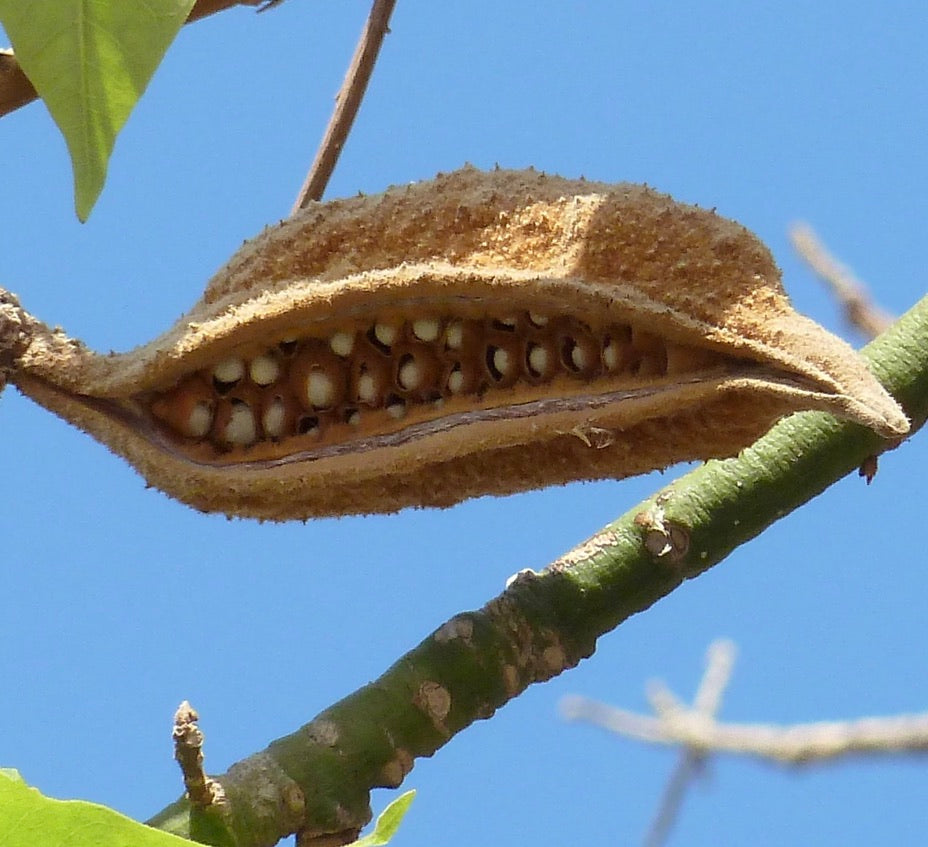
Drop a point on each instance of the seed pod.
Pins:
(668, 335)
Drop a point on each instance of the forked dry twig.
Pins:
(700, 735)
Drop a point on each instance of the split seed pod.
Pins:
(483, 333)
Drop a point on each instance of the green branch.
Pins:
(318, 779)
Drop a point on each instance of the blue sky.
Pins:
(117, 602)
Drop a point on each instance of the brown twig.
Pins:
(347, 103)
(188, 751)
(16, 90)
(859, 310)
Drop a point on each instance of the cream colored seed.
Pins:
(611, 356)
(538, 320)
(508, 322)
(396, 410)
(501, 361)
(455, 335)
(578, 357)
(537, 359)
(320, 390)
(456, 381)
(342, 343)
(200, 419)
(263, 370)
(385, 334)
(426, 329)
(410, 375)
(241, 427)
(354, 418)
(275, 416)
(229, 371)
(367, 388)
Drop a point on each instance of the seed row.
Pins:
(374, 376)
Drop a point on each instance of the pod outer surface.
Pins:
(467, 245)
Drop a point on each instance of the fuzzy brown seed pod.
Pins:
(460, 337)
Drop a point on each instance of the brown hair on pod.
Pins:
(482, 333)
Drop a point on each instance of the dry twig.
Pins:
(797, 744)
(859, 310)
(347, 103)
(700, 735)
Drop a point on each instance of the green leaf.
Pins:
(90, 61)
(27, 819)
(388, 822)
